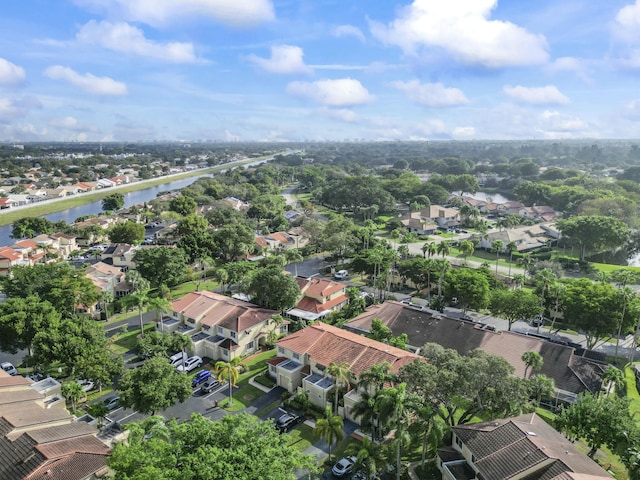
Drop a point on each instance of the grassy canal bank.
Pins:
(10, 215)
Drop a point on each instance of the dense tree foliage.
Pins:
(161, 265)
(595, 234)
(34, 226)
(183, 205)
(127, 232)
(155, 385)
(22, 318)
(469, 286)
(273, 288)
(514, 305)
(60, 284)
(113, 202)
(237, 447)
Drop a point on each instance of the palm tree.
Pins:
(182, 343)
(497, 245)
(465, 212)
(545, 278)
(431, 267)
(374, 379)
(518, 280)
(221, 275)
(557, 290)
(342, 376)
(622, 278)
(366, 410)
(395, 405)
(612, 377)
(511, 247)
(526, 262)
(294, 256)
(160, 305)
(372, 456)
(532, 360)
(138, 300)
(106, 297)
(443, 266)
(540, 386)
(73, 392)
(467, 248)
(444, 249)
(428, 428)
(330, 428)
(429, 249)
(228, 371)
(152, 427)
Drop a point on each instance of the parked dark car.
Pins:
(210, 385)
(200, 377)
(286, 421)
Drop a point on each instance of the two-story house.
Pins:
(427, 220)
(10, 258)
(105, 277)
(303, 357)
(65, 243)
(222, 327)
(523, 447)
(119, 255)
(320, 296)
(30, 251)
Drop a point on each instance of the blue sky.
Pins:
(288, 70)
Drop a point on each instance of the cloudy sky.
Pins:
(273, 70)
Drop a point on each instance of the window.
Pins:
(233, 334)
(473, 459)
(458, 442)
(296, 356)
(283, 329)
(281, 350)
(220, 330)
(250, 345)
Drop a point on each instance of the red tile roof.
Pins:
(309, 304)
(319, 287)
(325, 344)
(10, 253)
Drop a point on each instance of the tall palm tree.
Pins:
(444, 249)
(228, 372)
(623, 277)
(182, 343)
(443, 266)
(372, 456)
(429, 249)
(374, 379)
(557, 290)
(431, 267)
(160, 305)
(342, 376)
(526, 262)
(396, 406)
(511, 247)
(426, 426)
(294, 256)
(330, 428)
(366, 411)
(497, 245)
(221, 275)
(467, 248)
(518, 280)
(532, 360)
(545, 278)
(152, 427)
(139, 301)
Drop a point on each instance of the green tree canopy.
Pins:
(514, 305)
(22, 318)
(161, 265)
(127, 232)
(273, 288)
(237, 447)
(183, 205)
(113, 202)
(469, 286)
(595, 234)
(60, 284)
(156, 385)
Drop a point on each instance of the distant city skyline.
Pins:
(319, 70)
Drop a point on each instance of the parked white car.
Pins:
(341, 274)
(190, 364)
(9, 368)
(87, 385)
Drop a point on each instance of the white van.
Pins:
(341, 274)
(178, 358)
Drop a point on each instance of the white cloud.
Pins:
(627, 22)
(87, 82)
(284, 59)
(348, 31)
(554, 124)
(334, 93)
(547, 95)
(463, 133)
(236, 13)
(122, 37)
(13, 108)
(434, 127)
(10, 73)
(342, 114)
(575, 65)
(463, 29)
(431, 94)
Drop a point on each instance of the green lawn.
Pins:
(256, 364)
(632, 391)
(608, 268)
(302, 437)
(181, 290)
(243, 396)
(125, 342)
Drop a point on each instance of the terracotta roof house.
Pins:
(119, 255)
(523, 447)
(106, 278)
(10, 258)
(526, 237)
(572, 374)
(39, 441)
(304, 356)
(320, 296)
(222, 327)
(237, 203)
